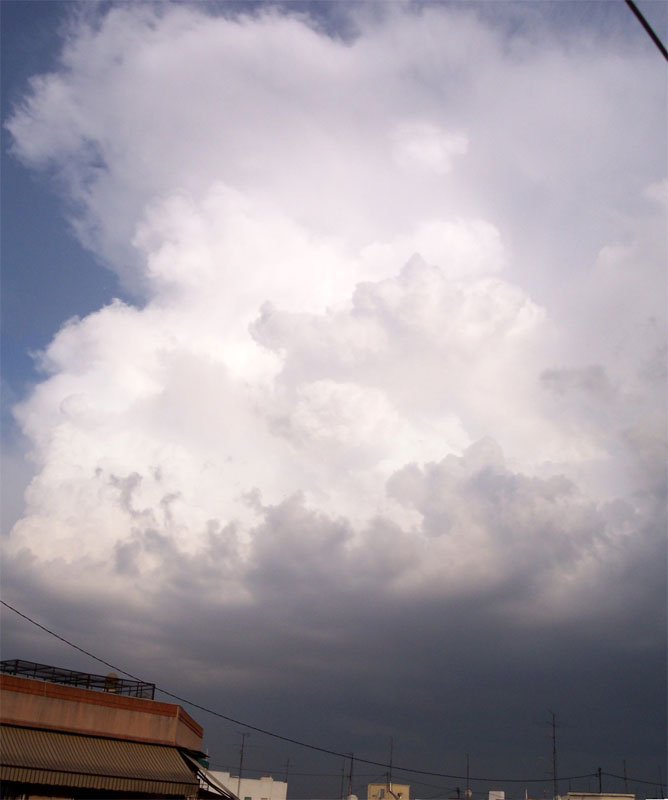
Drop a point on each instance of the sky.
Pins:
(334, 377)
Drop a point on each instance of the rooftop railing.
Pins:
(110, 683)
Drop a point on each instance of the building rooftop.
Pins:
(110, 683)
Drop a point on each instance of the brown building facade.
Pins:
(68, 742)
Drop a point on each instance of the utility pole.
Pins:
(600, 782)
(555, 787)
(343, 772)
(287, 770)
(468, 790)
(241, 760)
(350, 774)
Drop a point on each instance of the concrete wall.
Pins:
(40, 704)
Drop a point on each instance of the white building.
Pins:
(265, 788)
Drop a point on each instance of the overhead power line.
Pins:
(281, 737)
(629, 778)
(648, 28)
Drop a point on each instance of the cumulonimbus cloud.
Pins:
(296, 376)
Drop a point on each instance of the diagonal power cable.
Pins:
(648, 28)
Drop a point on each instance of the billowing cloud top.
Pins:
(399, 320)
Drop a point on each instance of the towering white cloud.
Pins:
(263, 185)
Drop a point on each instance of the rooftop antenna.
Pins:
(555, 787)
(626, 783)
(241, 760)
(389, 775)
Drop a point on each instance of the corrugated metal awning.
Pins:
(51, 758)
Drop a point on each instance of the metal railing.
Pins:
(110, 683)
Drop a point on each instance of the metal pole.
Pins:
(391, 754)
(241, 761)
(555, 787)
